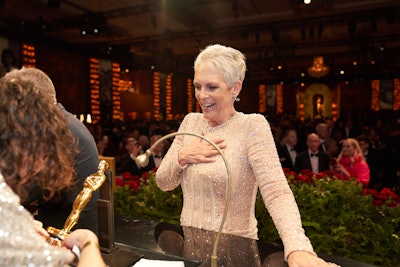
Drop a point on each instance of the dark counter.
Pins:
(136, 238)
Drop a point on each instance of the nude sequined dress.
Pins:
(254, 164)
(20, 244)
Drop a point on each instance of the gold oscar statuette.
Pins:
(91, 184)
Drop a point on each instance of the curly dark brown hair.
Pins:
(32, 131)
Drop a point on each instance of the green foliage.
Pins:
(337, 216)
(149, 202)
(340, 220)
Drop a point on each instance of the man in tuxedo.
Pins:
(287, 153)
(158, 152)
(312, 159)
(126, 162)
(323, 132)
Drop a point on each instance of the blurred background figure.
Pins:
(332, 150)
(313, 158)
(373, 160)
(323, 132)
(102, 144)
(351, 162)
(144, 141)
(126, 162)
(287, 152)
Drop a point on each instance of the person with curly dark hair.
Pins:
(55, 211)
(36, 146)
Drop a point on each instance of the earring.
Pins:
(237, 99)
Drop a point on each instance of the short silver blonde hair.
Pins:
(229, 62)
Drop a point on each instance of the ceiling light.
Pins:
(318, 68)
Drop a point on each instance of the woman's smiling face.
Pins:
(214, 96)
(348, 149)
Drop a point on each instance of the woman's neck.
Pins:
(222, 120)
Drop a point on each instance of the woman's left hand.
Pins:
(306, 259)
(339, 168)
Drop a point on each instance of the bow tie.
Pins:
(157, 156)
(314, 155)
(292, 149)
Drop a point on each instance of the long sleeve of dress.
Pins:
(274, 188)
(20, 243)
(254, 165)
(168, 175)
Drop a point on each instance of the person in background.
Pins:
(102, 144)
(8, 60)
(323, 131)
(38, 148)
(313, 158)
(248, 146)
(351, 162)
(288, 153)
(126, 162)
(158, 152)
(55, 212)
(144, 141)
(349, 130)
(332, 150)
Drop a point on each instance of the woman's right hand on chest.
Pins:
(200, 151)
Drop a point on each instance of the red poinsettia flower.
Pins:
(389, 193)
(145, 176)
(119, 182)
(134, 185)
(129, 176)
(385, 196)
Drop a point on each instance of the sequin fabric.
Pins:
(233, 251)
(20, 244)
(254, 164)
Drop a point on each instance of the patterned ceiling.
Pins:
(169, 33)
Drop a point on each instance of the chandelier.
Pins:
(318, 68)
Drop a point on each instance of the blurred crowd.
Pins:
(377, 136)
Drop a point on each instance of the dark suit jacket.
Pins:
(303, 162)
(126, 164)
(284, 153)
(376, 168)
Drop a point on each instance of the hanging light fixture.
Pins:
(318, 68)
